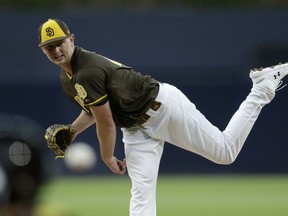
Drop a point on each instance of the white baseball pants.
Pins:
(178, 122)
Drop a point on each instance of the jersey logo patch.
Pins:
(81, 103)
(80, 91)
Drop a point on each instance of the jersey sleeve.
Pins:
(91, 86)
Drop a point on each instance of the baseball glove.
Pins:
(59, 137)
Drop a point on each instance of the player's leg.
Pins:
(143, 155)
(179, 122)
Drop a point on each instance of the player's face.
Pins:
(60, 52)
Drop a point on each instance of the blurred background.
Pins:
(205, 48)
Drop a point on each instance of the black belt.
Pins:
(145, 117)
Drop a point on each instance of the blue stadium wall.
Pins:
(205, 53)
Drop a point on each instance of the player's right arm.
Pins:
(106, 133)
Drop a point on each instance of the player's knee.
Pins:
(143, 188)
(228, 161)
(225, 159)
(226, 155)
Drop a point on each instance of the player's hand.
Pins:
(117, 166)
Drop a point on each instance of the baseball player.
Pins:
(148, 112)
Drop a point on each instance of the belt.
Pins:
(145, 117)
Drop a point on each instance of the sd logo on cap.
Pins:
(51, 31)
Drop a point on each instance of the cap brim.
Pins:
(53, 40)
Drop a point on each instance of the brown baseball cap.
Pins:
(51, 31)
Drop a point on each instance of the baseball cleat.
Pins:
(270, 77)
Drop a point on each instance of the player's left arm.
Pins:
(83, 121)
(106, 132)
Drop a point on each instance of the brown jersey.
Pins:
(97, 79)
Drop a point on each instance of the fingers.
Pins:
(121, 165)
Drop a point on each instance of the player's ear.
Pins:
(72, 38)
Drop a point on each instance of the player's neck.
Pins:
(67, 68)
(69, 71)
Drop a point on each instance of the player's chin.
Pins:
(59, 61)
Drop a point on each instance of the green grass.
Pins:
(217, 195)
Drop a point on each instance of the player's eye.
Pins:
(53, 46)
(49, 47)
(59, 43)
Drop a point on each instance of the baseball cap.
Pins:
(51, 31)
